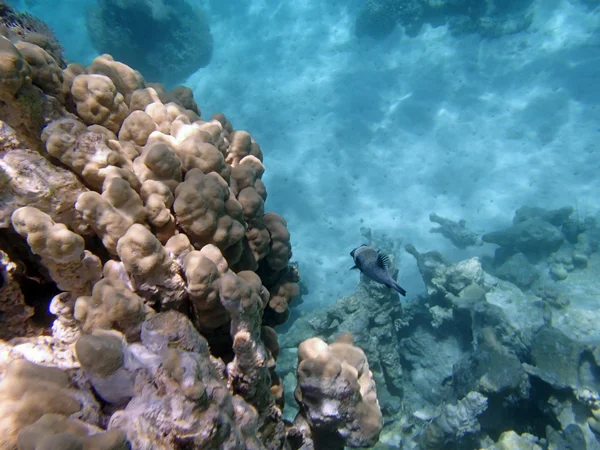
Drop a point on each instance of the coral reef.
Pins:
(456, 232)
(140, 272)
(455, 421)
(134, 31)
(378, 18)
(23, 26)
(487, 357)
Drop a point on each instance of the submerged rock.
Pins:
(535, 238)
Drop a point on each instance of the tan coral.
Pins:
(195, 153)
(65, 329)
(29, 179)
(63, 252)
(28, 391)
(244, 298)
(178, 247)
(219, 136)
(158, 162)
(158, 200)
(154, 274)
(98, 101)
(125, 79)
(282, 293)
(15, 312)
(202, 276)
(184, 96)
(54, 431)
(182, 402)
(111, 214)
(247, 175)
(141, 98)
(15, 72)
(87, 151)
(224, 121)
(163, 114)
(259, 241)
(46, 73)
(182, 128)
(137, 127)
(337, 393)
(281, 249)
(242, 144)
(202, 206)
(112, 305)
(69, 74)
(253, 205)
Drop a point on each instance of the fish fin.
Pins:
(398, 288)
(383, 260)
(354, 267)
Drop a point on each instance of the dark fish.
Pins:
(374, 265)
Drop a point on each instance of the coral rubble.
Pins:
(497, 353)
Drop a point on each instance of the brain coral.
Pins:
(142, 33)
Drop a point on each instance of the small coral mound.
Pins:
(337, 394)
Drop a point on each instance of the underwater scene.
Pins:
(299, 225)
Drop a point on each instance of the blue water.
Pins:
(380, 133)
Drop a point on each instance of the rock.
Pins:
(557, 217)
(518, 270)
(535, 238)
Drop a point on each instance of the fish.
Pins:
(375, 266)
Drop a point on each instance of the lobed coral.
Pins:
(149, 224)
(23, 26)
(336, 394)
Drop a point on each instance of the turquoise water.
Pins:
(368, 128)
(360, 132)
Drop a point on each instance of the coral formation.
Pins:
(146, 225)
(457, 232)
(487, 357)
(62, 251)
(133, 32)
(336, 394)
(378, 18)
(454, 422)
(23, 26)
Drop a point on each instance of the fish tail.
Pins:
(398, 288)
